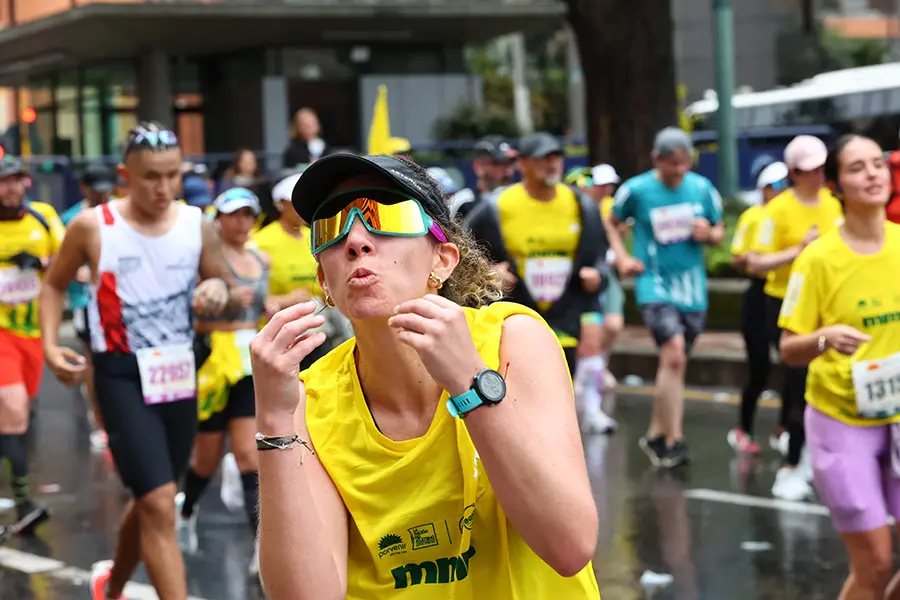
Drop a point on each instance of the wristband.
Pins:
(288, 442)
(822, 343)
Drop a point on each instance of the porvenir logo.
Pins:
(390, 545)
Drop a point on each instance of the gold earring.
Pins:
(435, 281)
(328, 301)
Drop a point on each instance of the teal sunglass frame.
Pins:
(429, 224)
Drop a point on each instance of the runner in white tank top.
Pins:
(145, 253)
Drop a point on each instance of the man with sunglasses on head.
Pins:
(493, 165)
(676, 213)
(790, 222)
(771, 179)
(30, 237)
(146, 252)
(547, 240)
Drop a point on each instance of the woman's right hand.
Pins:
(276, 353)
(843, 338)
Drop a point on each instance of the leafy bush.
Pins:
(469, 122)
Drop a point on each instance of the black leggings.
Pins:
(755, 329)
(793, 396)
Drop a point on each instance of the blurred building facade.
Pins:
(230, 73)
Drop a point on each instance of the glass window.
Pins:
(118, 82)
(41, 93)
(68, 127)
(118, 125)
(42, 132)
(92, 121)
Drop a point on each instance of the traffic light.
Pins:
(29, 115)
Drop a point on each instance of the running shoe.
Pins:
(30, 516)
(598, 422)
(675, 456)
(99, 440)
(654, 448)
(779, 441)
(791, 484)
(100, 574)
(186, 527)
(741, 442)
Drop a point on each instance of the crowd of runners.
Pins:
(177, 307)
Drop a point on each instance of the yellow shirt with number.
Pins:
(539, 234)
(293, 264)
(425, 523)
(19, 289)
(785, 222)
(833, 285)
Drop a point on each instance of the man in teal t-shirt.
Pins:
(97, 183)
(674, 213)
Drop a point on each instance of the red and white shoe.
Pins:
(741, 442)
(100, 574)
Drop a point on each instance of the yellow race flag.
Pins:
(380, 129)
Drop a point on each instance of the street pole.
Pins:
(724, 50)
(521, 93)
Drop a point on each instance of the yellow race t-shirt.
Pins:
(606, 207)
(542, 238)
(745, 231)
(19, 288)
(293, 264)
(784, 223)
(424, 522)
(833, 285)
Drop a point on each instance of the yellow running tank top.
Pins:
(424, 521)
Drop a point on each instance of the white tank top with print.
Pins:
(142, 298)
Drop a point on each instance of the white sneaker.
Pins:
(253, 569)
(609, 381)
(597, 421)
(805, 465)
(99, 440)
(186, 528)
(781, 442)
(791, 484)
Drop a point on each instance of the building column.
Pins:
(154, 87)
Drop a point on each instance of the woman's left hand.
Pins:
(437, 329)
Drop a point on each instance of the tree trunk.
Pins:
(627, 58)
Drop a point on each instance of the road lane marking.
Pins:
(25, 562)
(807, 508)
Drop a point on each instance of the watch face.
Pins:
(491, 386)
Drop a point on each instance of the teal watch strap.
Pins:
(458, 406)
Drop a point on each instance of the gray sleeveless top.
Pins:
(260, 286)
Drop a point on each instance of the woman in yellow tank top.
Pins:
(436, 454)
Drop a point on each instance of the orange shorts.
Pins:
(22, 360)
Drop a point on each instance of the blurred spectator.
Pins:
(447, 183)
(493, 165)
(195, 191)
(243, 170)
(398, 146)
(893, 205)
(306, 144)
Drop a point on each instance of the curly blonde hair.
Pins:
(474, 281)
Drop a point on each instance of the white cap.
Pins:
(235, 199)
(284, 189)
(774, 173)
(805, 153)
(604, 174)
